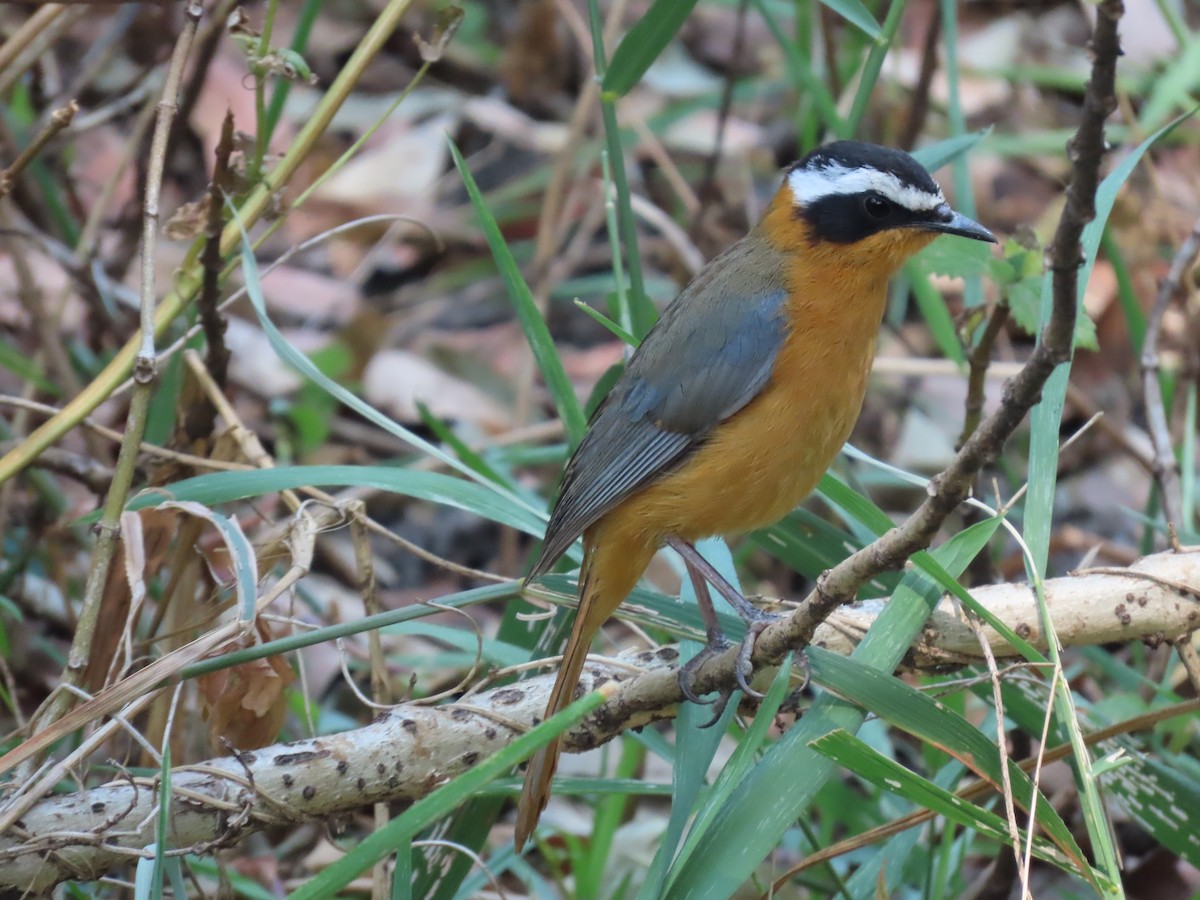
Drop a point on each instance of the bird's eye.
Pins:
(876, 207)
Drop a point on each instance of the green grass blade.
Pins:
(1039, 508)
(1131, 308)
(873, 517)
(642, 44)
(507, 590)
(931, 721)
(857, 15)
(1046, 416)
(742, 760)
(943, 152)
(435, 487)
(446, 435)
(306, 367)
(805, 78)
(642, 313)
(696, 747)
(886, 774)
(871, 68)
(885, 872)
(536, 333)
(935, 312)
(615, 329)
(241, 552)
(1175, 88)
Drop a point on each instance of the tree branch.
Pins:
(410, 752)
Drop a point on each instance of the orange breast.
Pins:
(767, 458)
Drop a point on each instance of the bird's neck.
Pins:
(826, 279)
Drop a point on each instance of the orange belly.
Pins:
(764, 460)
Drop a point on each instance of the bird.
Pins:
(738, 398)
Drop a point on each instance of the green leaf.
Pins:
(532, 323)
(641, 46)
(955, 257)
(1025, 304)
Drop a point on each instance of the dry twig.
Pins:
(144, 367)
(1166, 466)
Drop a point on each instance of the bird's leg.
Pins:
(756, 620)
(716, 643)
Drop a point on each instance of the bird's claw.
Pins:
(744, 668)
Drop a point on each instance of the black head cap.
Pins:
(849, 190)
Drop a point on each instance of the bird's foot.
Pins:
(756, 623)
(717, 644)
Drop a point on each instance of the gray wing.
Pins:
(695, 369)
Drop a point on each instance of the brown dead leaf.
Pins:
(145, 538)
(188, 221)
(245, 705)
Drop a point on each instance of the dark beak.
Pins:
(947, 221)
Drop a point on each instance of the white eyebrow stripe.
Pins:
(810, 185)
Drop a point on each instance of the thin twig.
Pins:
(1166, 466)
(59, 120)
(187, 459)
(253, 208)
(981, 358)
(206, 302)
(91, 473)
(32, 39)
(1190, 659)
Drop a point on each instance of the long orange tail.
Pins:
(536, 793)
(611, 569)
